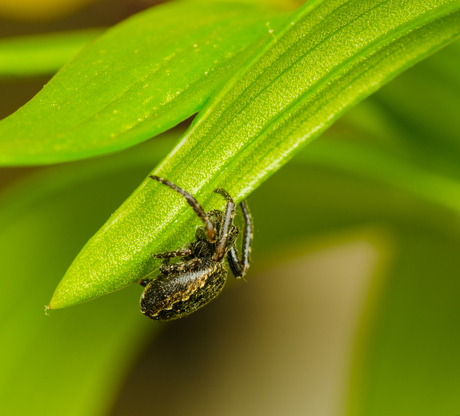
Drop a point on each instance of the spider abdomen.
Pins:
(177, 295)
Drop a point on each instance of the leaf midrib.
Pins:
(343, 67)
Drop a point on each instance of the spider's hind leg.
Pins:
(240, 267)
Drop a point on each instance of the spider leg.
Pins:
(210, 231)
(239, 268)
(234, 262)
(248, 234)
(229, 214)
(185, 266)
(182, 252)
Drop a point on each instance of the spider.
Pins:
(182, 288)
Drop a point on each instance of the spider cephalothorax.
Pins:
(182, 288)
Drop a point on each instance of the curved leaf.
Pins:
(26, 56)
(139, 79)
(327, 57)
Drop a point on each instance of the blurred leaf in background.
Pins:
(388, 167)
(32, 56)
(68, 364)
(31, 10)
(140, 78)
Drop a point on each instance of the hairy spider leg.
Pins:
(182, 252)
(229, 214)
(185, 266)
(239, 268)
(248, 234)
(210, 231)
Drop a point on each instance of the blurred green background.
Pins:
(351, 304)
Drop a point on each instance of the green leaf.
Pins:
(327, 57)
(424, 121)
(139, 79)
(415, 115)
(59, 210)
(35, 55)
(386, 168)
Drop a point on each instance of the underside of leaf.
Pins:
(326, 58)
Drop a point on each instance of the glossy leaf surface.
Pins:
(326, 58)
(139, 79)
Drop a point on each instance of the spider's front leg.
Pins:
(210, 231)
(240, 267)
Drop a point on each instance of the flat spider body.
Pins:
(182, 288)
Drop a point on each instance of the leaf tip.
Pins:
(56, 302)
